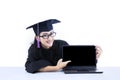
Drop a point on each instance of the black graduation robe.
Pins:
(41, 57)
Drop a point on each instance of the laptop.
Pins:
(83, 59)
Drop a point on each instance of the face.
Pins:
(47, 38)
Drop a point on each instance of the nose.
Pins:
(50, 38)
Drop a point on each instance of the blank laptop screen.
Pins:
(80, 55)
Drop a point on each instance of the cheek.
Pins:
(51, 39)
(42, 41)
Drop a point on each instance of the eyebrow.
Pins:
(46, 33)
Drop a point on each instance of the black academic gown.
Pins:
(41, 57)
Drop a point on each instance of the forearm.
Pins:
(49, 68)
(60, 65)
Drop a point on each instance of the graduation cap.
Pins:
(43, 26)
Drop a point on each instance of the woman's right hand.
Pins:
(61, 64)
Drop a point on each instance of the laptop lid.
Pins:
(81, 56)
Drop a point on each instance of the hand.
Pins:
(61, 64)
(98, 51)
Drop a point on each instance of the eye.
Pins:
(52, 34)
(45, 35)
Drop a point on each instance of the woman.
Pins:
(45, 54)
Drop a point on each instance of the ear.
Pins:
(37, 38)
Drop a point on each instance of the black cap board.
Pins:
(43, 26)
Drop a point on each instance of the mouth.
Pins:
(49, 42)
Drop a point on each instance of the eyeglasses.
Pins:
(46, 36)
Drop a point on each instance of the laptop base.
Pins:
(82, 72)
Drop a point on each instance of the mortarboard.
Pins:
(43, 26)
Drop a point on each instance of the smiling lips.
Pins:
(49, 42)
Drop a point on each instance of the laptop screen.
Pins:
(80, 55)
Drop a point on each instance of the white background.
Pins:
(82, 22)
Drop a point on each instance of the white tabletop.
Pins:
(18, 73)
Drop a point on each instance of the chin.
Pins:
(50, 45)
